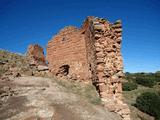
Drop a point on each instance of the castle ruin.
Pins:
(92, 53)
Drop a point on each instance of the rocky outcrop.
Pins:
(92, 53)
(35, 54)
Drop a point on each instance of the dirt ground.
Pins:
(37, 98)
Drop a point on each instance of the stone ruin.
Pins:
(35, 54)
(37, 61)
(92, 53)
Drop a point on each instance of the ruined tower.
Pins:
(92, 53)
(35, 54)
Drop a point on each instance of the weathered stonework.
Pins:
(35, 55)
(92, 53)
(67, 50)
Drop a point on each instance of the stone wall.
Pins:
(35, 54)
(88, 31)
(109, 64)
(93, 53)
(67, 50)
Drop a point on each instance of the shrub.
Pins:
(157, 76)
(128, 86)
(145, 81)
(149, 102)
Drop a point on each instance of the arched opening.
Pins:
(64, 70)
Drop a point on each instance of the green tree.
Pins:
(149, 102)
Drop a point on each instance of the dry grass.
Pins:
(86, 91)
(11, 60)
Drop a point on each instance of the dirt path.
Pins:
(40, 98)
(62, 113)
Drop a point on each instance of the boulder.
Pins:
(42, 68)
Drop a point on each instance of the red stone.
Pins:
(35, 54)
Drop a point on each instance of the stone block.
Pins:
(101, 75)
(42, 68)
(100, 68)
(102, 87)
(99, 27)
(100, 54)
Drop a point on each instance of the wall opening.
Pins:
(64, 70)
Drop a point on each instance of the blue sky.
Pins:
(24, 22)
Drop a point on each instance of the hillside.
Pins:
(27, 93)
(29, 97)
(11, 62)
(37, 98)
(140, 83)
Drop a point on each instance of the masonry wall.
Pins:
(109, 65)
(68, 48)
(88, 31)
(93, 53)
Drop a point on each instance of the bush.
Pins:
(128, 86)
(145, 81)
(149, 102)
(157, 76)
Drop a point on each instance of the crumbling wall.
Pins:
(92, 53)
(103, 45)
(68, 48)
(35, 54)
(109, 65)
